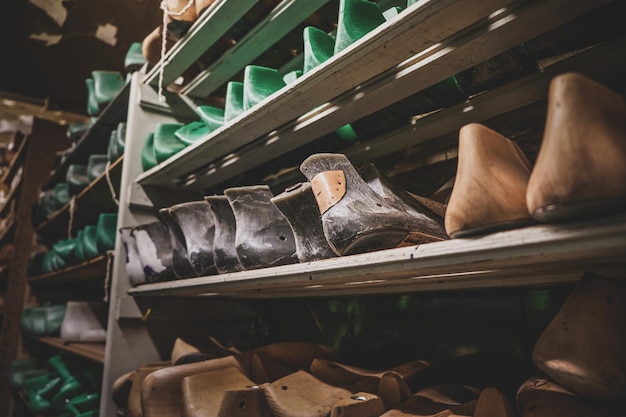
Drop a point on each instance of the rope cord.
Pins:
(164, 62)
(110, 183)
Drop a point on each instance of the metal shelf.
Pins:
(414, 51)
(532, 256)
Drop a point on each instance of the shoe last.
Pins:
(234, 100)
(490, 187)
(356, 19)
(581, 165)
(154, 246)
(318, 47)
(300, 394)
(355, 218)
(360, 404)
(166, 144)
(180, 261)
(297, 203)
(105, 232)
(202, 393)
(224, 249)
(148, 157)
(134, 269)
(212, 116)
(541, 397)
(196, 225)
(259, 83)
(76, 178)
(569, 349)
(96, 166)
(192, 132)
(83, 322)
(263, 236)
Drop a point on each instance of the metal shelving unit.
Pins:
(424, 44)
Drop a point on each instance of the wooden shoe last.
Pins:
(540, 397)
(583, 346)
(581, 166)
(490, 187)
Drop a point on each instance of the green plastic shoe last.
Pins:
(92, 104)
(411, 2)
(83, 403)
(90, 242)
(106, 86)
(19, 370)
(61, 195)
(347, 133)
(192, 133)
(79, 250)
(52, 261)
(259, 83)
(106, 230)
(65, 248)
(93, 376)
(134, 58)
(117, 142)
(70, 386)
(166, 144)
(319, 46)
(76, 130)
(148, 158)
(356, 19)
(76, 178)
(234, 100)
(42, 320)
(213, 117)
(96, 166)
(37, 388)
(292, 76)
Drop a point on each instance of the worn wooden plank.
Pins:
(284, 18)
(96, 198)
(91, 351)
(204, 33)
(416, 29)
(16, 162)
(448, 265)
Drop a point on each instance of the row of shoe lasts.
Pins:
(75, 321)
(57, 390)
(341, 211)
(90, 242)
(288, 379)
(357, 18)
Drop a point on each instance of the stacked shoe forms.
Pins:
(250, 228)
(57, 388)
(342, 211)
(90, 242)
(290, 379)
(573, 177)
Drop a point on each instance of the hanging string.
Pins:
(107, 171)
(70, 223)
(164, 62)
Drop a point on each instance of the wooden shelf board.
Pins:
(393, 43)
(96, 139)
(535, 255)
(92, 270)
(92, 351)
(94, 199)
